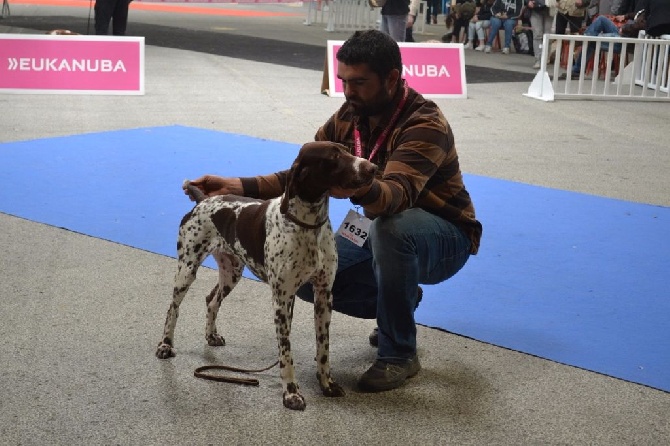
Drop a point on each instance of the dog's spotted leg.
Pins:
(189, 259)
(230, 273)
(213, 302)
(183, 280)
(323, 308)
(283, 306)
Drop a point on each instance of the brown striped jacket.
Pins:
(418, 165)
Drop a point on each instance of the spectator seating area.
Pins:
(628, 69)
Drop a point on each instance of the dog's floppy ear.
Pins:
(290, 189)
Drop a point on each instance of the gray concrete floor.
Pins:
(81, 317)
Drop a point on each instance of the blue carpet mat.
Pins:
(574, 278)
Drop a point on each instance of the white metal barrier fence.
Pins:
(344, 15)
(658, 68)
(353, 15)
(612, 77)
(420, 19)
(317, 12)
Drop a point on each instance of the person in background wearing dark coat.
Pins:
(658, 16)
(459, 18)
(115, 11)
(432, 10)
(622, 7)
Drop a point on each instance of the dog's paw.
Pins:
(294, 401)
(333, 390)
(164, 351)
(329, 387)
(215, 340)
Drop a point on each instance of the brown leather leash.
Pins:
(199, 373)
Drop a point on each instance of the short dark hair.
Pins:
(372, 47)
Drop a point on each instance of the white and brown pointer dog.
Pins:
(286, 242)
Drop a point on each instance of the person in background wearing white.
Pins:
(411, 19)
(541, 20)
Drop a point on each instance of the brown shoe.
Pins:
(384, 375)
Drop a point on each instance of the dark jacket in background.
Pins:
(658, 16)
(624, 7)
(396, 7)
(484, 12)
(508, 8)
(539, 4)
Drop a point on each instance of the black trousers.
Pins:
(563, 22)
(114, 11)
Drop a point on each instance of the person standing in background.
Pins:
(394, 19)
(411, 18)
(432, 10)
(658, 17)
(570, 14)
(541, 19)
(114, 11)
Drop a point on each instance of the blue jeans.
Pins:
(496, 24)
(380, 280)
(394, 26)
(604, 27)
(478, 28)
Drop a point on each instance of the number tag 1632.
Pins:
(355, 228)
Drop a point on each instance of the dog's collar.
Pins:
(302, 224)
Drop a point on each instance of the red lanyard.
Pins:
(358, 145)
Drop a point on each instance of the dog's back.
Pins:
(231, 224)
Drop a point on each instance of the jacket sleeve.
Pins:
(265, 186)
(414, 8)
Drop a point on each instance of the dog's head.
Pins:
(62, 32)
(321, 165)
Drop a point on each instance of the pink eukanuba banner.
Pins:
(218, 1)
(436, 70)
(71, 64)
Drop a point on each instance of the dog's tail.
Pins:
(194, 193)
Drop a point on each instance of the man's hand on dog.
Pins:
(340, 192)
(212, 185)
